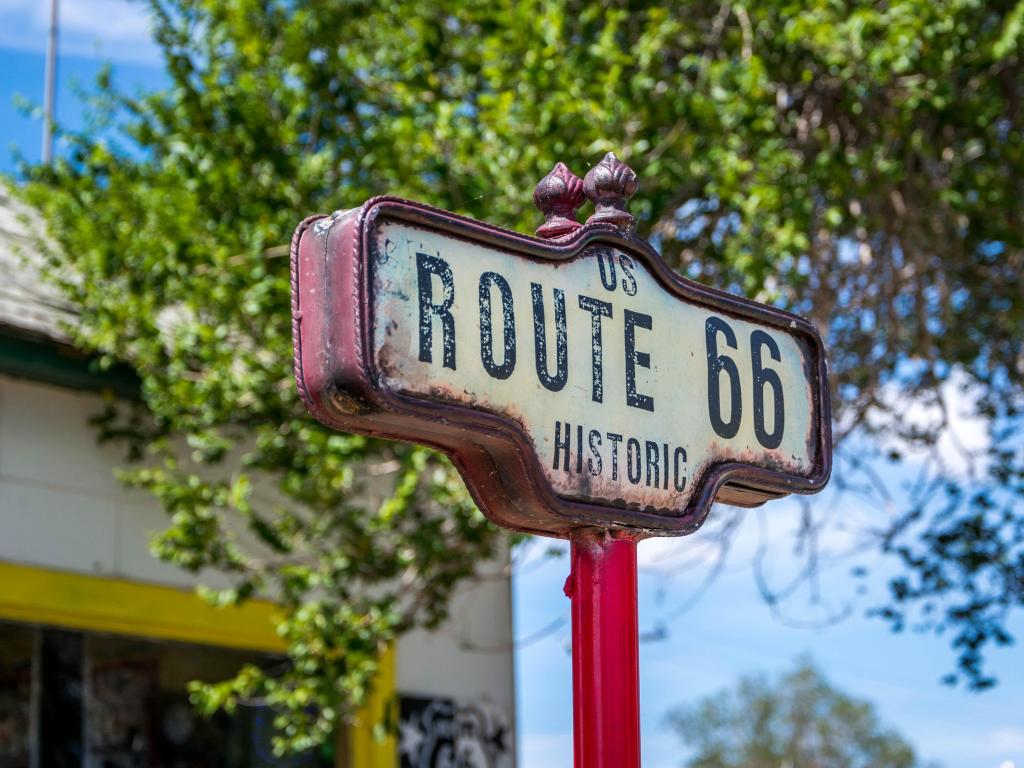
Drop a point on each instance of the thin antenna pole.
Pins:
(51, 85)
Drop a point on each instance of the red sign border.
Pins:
(332, 311)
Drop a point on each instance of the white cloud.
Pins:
(669, 555)
(546, 750)
(1006, 740)
(116, 30)
(965, 433)
(1001, 745)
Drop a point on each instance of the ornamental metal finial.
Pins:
(610, 184)
(558, 195)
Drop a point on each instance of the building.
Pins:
(98, 638)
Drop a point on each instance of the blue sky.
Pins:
(93, 33)
(729, 631)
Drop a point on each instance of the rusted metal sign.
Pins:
(575, 381)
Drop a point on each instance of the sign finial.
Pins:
(610, 184)
(558, 195)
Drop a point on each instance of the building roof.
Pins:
(29, 305)
(34, 313)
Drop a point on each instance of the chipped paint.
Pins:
(638, 397)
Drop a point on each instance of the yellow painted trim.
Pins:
(366, 750)
(97, 604)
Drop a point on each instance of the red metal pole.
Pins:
(605, 655)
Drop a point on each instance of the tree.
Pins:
(797, 721)
(857, 162)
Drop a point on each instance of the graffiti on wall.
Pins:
(444, 733)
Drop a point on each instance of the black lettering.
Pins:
(606, 263)
(615, 440)
(718, 364)
(767, 377)
(635, 358)
(557, 382)
(597, 310)
(508, 361)
(561, 447)
(595, 454)
(653, 462)
(633, 452)
(666, 465)
(426, 267)
(675, 460)
(628, 278)
(579, 450)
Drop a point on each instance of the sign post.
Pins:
(605, 649)
(582, 388)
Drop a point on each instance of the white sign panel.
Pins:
(628, 395)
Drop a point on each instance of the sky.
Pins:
(692, 647)
(93, 33)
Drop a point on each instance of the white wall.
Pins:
(61, 508)
(471, 656)
(60, 505)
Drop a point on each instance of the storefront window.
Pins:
(16, 650)
(99, 701)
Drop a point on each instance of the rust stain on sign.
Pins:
(603, 369)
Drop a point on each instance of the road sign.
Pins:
(575, 381)
(582, 388)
